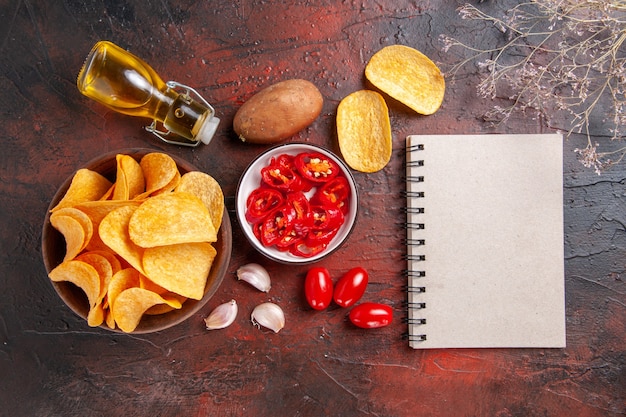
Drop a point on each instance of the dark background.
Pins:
(53, 364)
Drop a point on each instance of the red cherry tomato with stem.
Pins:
(371, 315)
(318, 288)
(351, 287)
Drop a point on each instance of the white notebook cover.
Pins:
(493, 241)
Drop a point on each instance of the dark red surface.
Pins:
(53, 364)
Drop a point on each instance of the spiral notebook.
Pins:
(485, 241)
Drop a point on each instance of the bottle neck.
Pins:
(182, 115)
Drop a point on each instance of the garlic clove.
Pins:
(222, 316)
(268, 315)
(255, 275)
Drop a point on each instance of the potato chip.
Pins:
(129, 181)
(122, 280)
(130, 306)
(160, 172)
(86, 185)
(188, 275)
(364, 131)
(169, 219)
(172, 300)
(102, 265)
(80, 274)
(75, 240)
(170, 186)
(108, 319)
(110, 256)
(208, 190)
(148, 284)
(96, 211)
(113, 231)
(95, 317)
(73, 232)
(108, 194)
(79, 216)
(408, 76)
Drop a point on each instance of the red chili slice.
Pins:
(300, 203)
(302, 250)
(256, 230)
(285, 160)
(318, 237)
(288, 161)
(335, 192)
(316, 167)
(276, 226)
(281, 177)
(326, 218)
(303, 221)
(261, 202)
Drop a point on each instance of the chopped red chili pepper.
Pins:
(300, 204)
(288, 161)
(256, 230)
(282, 216)
(285, 160)
(281, 177)
(304, 251)
(303, 221)
(317, 237)
(276, 226)
(261, 202)
(288, 238)
(335, 192)
(326, 218)
(316, 167)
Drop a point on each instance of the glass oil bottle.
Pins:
(126, 84)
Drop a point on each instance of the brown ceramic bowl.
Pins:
(53, 251)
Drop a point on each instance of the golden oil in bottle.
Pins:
(123, 82)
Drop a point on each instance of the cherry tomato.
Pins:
(351, 287)
(318, 288)
(371, 315)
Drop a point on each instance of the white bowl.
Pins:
(251, 179)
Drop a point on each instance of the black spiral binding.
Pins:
(414, 275)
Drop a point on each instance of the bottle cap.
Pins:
(207, 129)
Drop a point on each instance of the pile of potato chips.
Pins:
(139, 245)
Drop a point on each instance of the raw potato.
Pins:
(278, 112)
(408, 76)
(364, 131)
